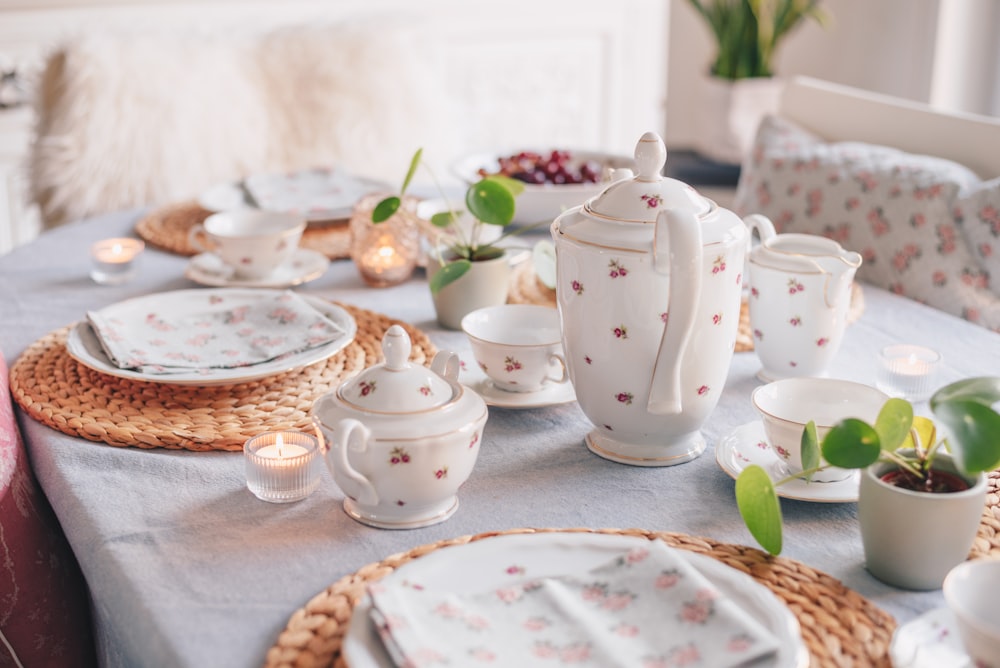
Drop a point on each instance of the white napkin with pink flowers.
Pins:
(202, 329)
(648, 607)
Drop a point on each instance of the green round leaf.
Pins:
(384, 210)
(851, 444)
(975, 433)
(759, 507)
(809, 448)
(985, 391)
(491, 202)
(893, 423)
(449, 273)
(444, 218)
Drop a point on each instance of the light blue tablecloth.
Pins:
(187, 568)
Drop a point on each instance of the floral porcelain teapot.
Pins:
(649, 281)
(400, 438)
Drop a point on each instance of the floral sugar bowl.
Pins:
(401, 438)
(648, 284)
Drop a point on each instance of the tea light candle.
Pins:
(113, 261)
(282, 466)
(907, 371)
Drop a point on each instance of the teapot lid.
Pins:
(396, 385)
(641, 198)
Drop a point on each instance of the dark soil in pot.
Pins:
(936, 482)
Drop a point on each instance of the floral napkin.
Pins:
(319, 192)
(647, 608)
(203, 329)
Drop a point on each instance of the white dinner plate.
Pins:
(305, 265)
(491, 562)
(551, 394)
(336, 191)
(746, 445)
(83, 345)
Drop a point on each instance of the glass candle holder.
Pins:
(282, 466)
(908, 371)
(385, 253)
(114, 261)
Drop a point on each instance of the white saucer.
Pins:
(304, 266)
(551, 394)
(929, 641)
(746, 445)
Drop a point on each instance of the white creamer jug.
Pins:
(649, 277)
(800, 294)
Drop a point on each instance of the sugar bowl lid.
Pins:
(641, 198)
(396, 385)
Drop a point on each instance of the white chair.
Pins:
(842, 113)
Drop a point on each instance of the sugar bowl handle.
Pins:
(347, 477)
(446, 364)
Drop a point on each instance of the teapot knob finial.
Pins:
(396, 348)
(650, 156)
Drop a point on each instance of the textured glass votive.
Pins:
(282, 466)
(908, 371)
(114, 261)
(385, 253)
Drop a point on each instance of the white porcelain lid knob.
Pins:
(650, 157)
(396, 348)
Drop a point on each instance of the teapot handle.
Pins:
(446, 364)
(363, 490)
(677, 250)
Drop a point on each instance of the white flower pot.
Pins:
(485, 284)
(912, 539)
(730, 112)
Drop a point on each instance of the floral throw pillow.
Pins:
(894, 208)
(977, 210)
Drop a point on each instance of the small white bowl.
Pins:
(970, 589)
(542, 203)
(787, 405)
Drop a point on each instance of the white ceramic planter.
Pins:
(912, 539)
(485, 284)
(730, 112)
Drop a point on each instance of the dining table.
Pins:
(186, 567)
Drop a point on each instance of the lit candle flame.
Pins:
(278, 443)
(116, 249)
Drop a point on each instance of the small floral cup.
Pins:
(517, 345)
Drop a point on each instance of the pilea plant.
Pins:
(490, 201)
(964, 408)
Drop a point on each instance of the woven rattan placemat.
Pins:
(64, 394)
(167, 228)
(525, 288)
(987, 544)
(840, 627)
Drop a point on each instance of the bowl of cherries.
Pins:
(554, 179)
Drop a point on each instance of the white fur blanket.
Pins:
(125, 120)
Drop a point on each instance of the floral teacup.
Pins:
(517, 345)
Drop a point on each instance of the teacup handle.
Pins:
(564, 372)
(364, 492)
(198, 238)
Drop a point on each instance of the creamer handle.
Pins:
(677, 251)
(763, 225)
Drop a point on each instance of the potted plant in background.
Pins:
(466, 271)
(920, 499)
(741, 87)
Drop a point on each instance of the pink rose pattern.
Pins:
(617, 269)
(518, 623)
(927, 228)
